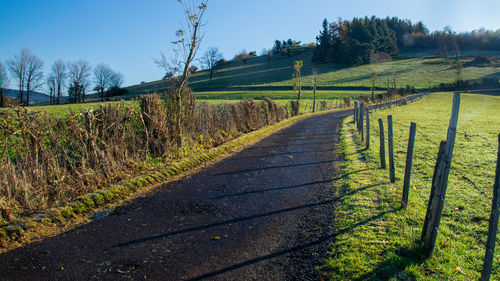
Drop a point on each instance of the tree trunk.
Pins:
(28, 95)
(58, 93)
(21, 94)
(300, 86)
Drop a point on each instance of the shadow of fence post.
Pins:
(409, 162)
(493, 225)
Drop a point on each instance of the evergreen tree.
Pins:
(324, 45)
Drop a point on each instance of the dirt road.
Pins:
(263, 214)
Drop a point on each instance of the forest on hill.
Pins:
(364, 40)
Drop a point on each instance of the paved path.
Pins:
(263, 214)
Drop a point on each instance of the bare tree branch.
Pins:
(17, 67)
(102, 78)
(59, 76)
(210, 60)
(79, 78)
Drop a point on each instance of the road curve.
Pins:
(263, 214)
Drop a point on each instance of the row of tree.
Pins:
(360, 40)
(77, 77)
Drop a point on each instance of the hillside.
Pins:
(35, 97)
(272, 77)
(262, 77)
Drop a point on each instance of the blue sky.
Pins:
(126, 34)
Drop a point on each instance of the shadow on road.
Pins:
(276, 167)
(324, 239)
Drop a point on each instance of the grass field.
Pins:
(421, 70)
(378, 240)
(261, 77)
(67, 109)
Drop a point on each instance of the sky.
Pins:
(128, 34)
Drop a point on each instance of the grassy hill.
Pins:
(263, 76)
(272, 77)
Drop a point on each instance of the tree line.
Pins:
(26, 69)
(363, 40)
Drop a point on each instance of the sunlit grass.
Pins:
(381, 240)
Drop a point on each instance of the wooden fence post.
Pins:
(390, 136)
(432, 206)
(409, 161)
(382, 144)
(492, 230)
(440, 183)
(361, 121)
(367, 128)
(356, 112)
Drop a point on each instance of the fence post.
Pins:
(390, 136)
(361, 121)
(356, 112)
(409, 161)
(367, 128)
(429, 222)
(440, 183)
(492, 230)
(382, 144)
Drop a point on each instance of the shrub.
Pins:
(295, 107)
(44, 160)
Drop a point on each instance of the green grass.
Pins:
(212, 98)
(378, 240)
(278, 95)
(421, 70)
(260, 77)
(66, 109)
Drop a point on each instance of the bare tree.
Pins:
(117, 80)
(17, 67)
(210, 60)
(79, 74)
(4, 82)
(33, 75)
(170, 66)
(27, 68)
(59, 76)
(102, 78)
(187, 45)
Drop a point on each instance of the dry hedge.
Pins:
(44, 160)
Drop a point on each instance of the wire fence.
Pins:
(456, 217)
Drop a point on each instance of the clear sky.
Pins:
(126, 34)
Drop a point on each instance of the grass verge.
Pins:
(377, 240)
